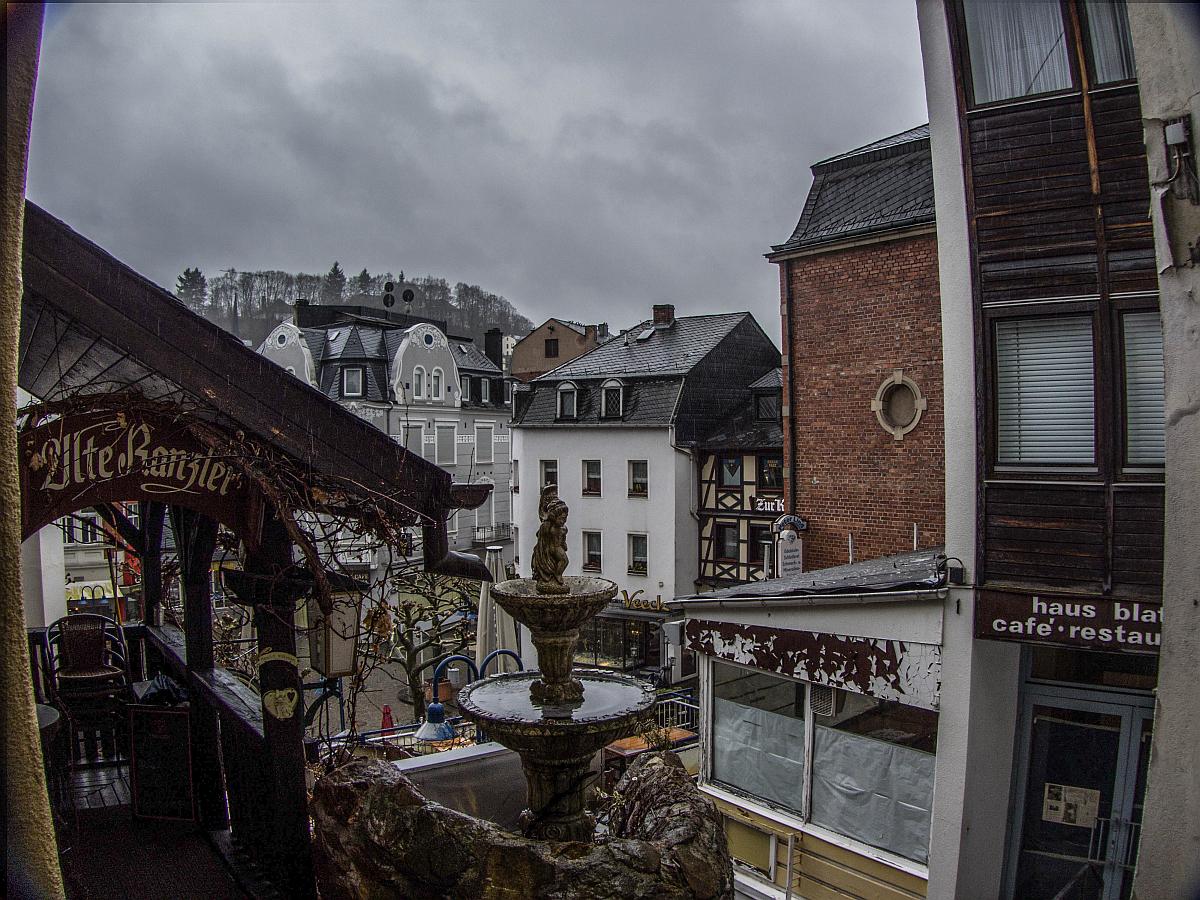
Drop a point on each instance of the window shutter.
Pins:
(1144, 390)
(1044, 391)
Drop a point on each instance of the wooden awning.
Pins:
(91, 326)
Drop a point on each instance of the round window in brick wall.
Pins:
(898, 405)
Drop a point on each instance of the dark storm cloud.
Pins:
(583, 159)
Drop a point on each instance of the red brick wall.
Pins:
(857, 315)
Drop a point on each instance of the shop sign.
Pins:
(1097, 623)
(86, 459)
(789, 557)
(766, 504)
(637, 601)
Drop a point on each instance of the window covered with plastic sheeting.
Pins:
(758, 735)
(871, 762)
(872, 772)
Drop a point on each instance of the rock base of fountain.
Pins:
(378, 837)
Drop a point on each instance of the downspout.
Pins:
(789, 440)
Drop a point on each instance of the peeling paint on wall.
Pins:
(889, 670)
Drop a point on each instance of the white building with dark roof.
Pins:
(618, 430)
(439, 395)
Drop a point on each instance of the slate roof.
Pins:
(883, 185)
(745, 431)
(651, 402)
(772, 380)
(469, 358)
(672, 350)
(915, 570)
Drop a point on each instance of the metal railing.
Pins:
(677, 712)
(499, 532)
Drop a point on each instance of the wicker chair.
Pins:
(89, 672)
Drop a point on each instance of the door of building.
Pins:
(1081, 780)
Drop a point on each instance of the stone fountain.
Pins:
(558, 717)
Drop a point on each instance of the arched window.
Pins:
(567, 400)
(611, 397)
(418, 382)
(435, 384)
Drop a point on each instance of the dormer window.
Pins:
(766, 407)
(611, 400)
(485, 390)
(435, 384)
(418, 382)
(567, 400)
(352, 382)
(465, 383)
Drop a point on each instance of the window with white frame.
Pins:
(81, 528)
(446, 445)
(638, 555)
(591, 551)
(484, 447)
(485, 390)
(871, 768)
(465, 384)
(507, 391)
(567, 400)
(352, 381)
(1045, 393)
(1145, 408)
(591, 478)
(611, 399)
(435, 384)
(639, 478)
(549, 471)
(418, 383)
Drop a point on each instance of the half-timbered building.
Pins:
(741, 489)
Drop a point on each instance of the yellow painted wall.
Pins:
(820, 870)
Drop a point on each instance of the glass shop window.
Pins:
(872, 760)
(1017, 48)
(758, 734)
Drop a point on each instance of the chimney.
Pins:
(493, 346)
(589, 334)
(602, 331)
(664, 315)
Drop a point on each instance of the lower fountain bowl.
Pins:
(613, 706)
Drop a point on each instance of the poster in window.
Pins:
(1069, 805)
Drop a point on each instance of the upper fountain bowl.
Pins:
(554, 613)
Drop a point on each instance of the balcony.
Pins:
(489, 534)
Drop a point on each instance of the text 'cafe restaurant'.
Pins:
(1085, 715)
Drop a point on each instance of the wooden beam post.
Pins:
(283, 707)
(196, 538)
(151, 513)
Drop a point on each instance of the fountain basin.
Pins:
(557, 740)
(554, 613)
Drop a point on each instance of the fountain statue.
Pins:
(558, 717)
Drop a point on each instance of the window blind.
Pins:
(1144, 390)
(1044, 391)
(445, 445)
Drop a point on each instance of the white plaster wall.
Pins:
(904, 620)
(614, 513)
(292, 353)
(43, 577)
(980, 680)
(1166, 39)
(414, 352)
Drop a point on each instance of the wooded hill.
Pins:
(250, 304)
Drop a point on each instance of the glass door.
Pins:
(1080, 789)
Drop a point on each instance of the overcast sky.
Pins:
(585, 160)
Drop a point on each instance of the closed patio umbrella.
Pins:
(496, 629)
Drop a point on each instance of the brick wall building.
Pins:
(863, 431)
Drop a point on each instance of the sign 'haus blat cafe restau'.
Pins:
(1097, 623)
